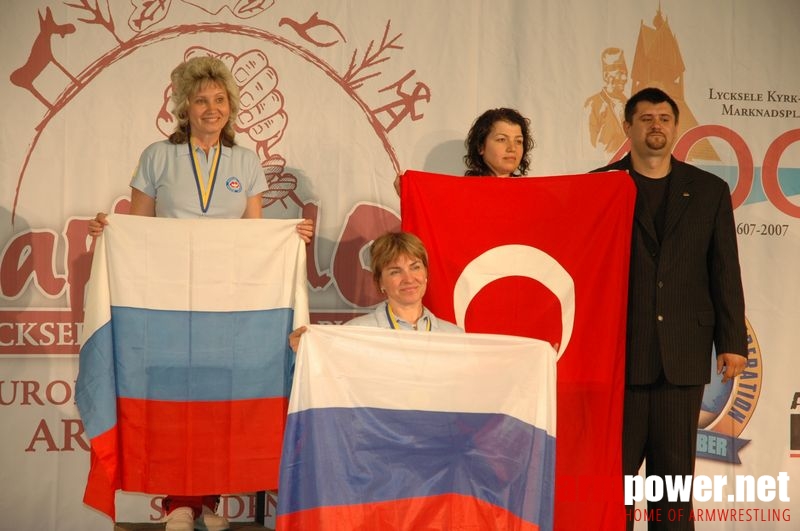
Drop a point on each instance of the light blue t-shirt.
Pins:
(379, 318)
(165, 173)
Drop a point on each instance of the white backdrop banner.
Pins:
(349, 95)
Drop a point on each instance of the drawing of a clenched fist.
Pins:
(261, 114)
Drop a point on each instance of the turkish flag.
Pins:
(547, 258)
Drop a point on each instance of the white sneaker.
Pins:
(181, 519)
(211, 521)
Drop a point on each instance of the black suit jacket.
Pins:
(685, 293)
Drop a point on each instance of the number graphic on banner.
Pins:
(743, 156)
(745, 164)
(769, 173)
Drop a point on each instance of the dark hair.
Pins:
(651, 95)
(480, 130)
(188, 78)
(386, 248)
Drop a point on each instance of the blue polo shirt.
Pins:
(165, 173)
(379, 318)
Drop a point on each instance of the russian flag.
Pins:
(184, 367)
(391, 429)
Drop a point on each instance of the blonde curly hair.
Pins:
(187, 79)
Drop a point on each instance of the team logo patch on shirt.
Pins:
(234, 185)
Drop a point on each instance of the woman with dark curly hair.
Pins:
(498, 144)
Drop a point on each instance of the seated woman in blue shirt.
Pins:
(399, 265)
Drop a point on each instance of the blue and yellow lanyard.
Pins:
(396, 325)
(205, 187)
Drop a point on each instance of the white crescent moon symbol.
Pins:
(517, 261)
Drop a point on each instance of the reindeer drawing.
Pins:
(42, 55)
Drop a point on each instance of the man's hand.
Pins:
(730, 365)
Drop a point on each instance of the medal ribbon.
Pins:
(205, 186)
(396, 325)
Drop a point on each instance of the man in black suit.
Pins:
(685, 295)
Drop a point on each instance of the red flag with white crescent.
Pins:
(543, 257)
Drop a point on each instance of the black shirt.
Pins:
(654, 194)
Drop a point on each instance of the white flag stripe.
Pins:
(214, 254)
(391, 369)
(97, 306)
